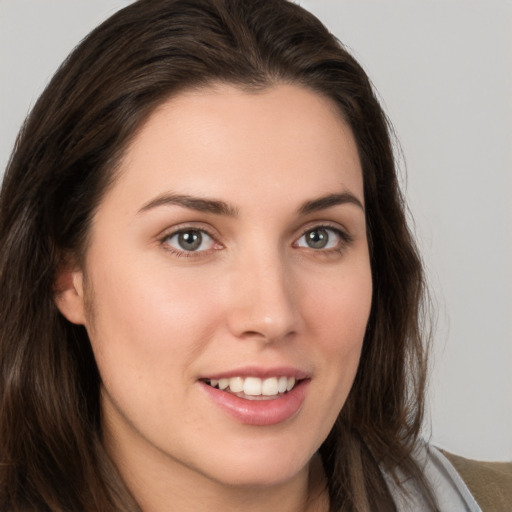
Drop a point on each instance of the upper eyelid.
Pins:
(172, 234)
(342, 234)
(320, 225)
(174, 230)
(335, 226)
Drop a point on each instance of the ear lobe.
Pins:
(69, 296)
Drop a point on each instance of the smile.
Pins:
(250, 405)
(254, 388)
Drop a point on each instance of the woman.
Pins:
(211, 298)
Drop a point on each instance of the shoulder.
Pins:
(458, 484)
(489, 482)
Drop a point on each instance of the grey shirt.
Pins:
(451, 492)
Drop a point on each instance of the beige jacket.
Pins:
(490, 483)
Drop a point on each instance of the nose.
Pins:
(263, 302)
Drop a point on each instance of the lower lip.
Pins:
(260, 412)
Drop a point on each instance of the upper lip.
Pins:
(258, 371)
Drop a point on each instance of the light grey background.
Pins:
(444, 72)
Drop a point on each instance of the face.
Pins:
(228, 286)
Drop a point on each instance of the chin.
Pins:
(265, 468)
(258, 477)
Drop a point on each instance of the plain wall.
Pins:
(443, 70)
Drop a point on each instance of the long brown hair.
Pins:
(51, 456)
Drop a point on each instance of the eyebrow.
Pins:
(218, 207)
(328, 201)
(193, 203)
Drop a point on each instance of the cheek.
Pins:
(339, 309)
(148, 318)
(338, 317)
(147, 333)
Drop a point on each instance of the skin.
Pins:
(255, 293)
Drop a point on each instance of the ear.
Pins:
(69, 295)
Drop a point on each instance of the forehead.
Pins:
(222, 140)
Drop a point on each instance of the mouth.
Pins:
(257, 396)
(255, 388)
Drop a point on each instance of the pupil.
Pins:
(317, 239)
(190, 240)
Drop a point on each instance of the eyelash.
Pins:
(183, 253)
(345, 238)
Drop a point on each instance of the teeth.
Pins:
(282, 383)
(236, 384)
(269, 387)
(254, 386)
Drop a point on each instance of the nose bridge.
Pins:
(263, 296)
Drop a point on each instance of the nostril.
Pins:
(266, 336)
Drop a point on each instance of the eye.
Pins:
(189, 240)
(321, 238)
